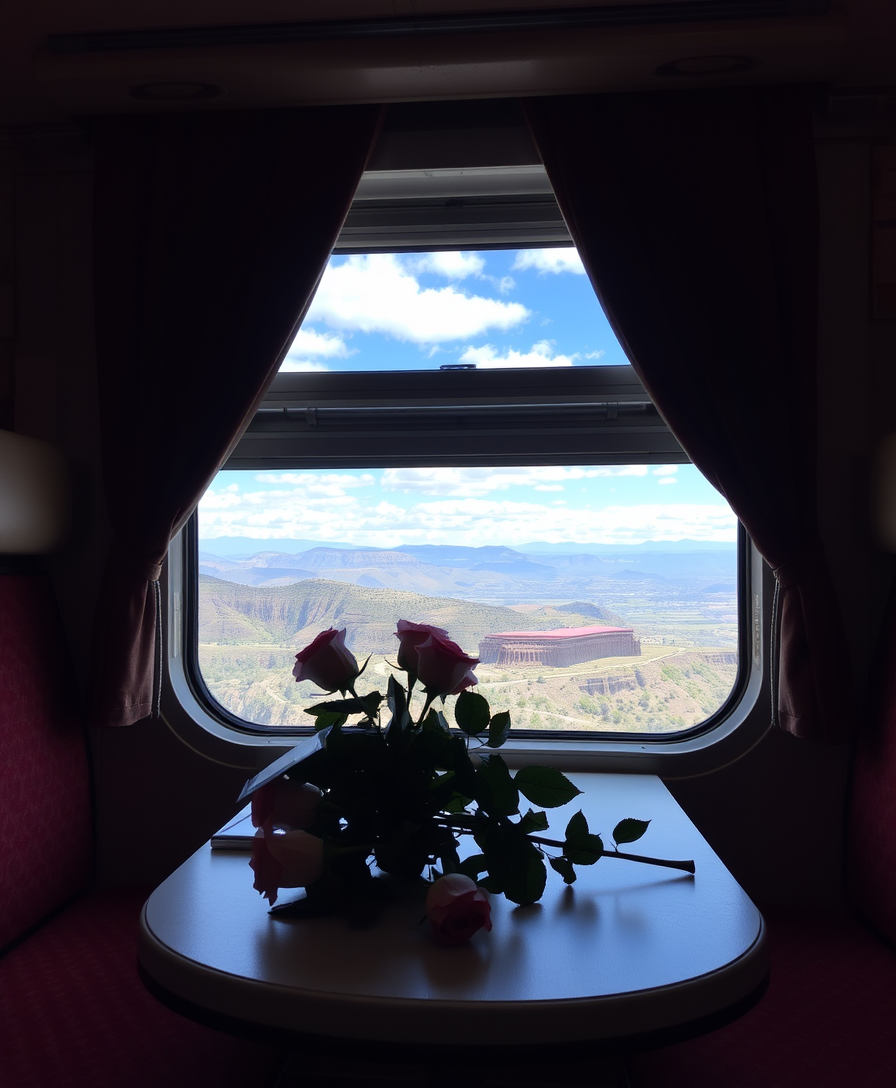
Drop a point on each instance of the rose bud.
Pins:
(266, 868)
(410, 636)
(327, 662)
(443, 668)
(287, 803)
(290, 859)
(456, 908)
(262, 804)
(300, 854)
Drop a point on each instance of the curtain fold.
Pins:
(696, 217)
(210, 234)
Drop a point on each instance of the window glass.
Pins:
(595, 576)
(599, 597)
(418, 311)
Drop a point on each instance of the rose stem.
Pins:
(685, 866)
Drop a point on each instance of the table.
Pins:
(629, 953)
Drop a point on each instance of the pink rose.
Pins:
(410, 636)
(288, 803)
(266, 868)
(457, 908)
(290, 859)
(262, 805)
(443, 668)
(327, 663)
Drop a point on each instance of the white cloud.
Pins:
(666, 474)
(463, 505)
(303, 366)
(378, 293)
(487, 358)
(453, 266)
(309, 347)
(470, 482)
(327, 344)
(563, 259)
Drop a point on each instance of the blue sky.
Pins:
(497, 309)
(416, 311)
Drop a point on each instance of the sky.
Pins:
(386, 508)
(420, 311)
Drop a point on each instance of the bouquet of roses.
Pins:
(365, 797)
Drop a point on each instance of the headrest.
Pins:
(883, 494)
(35, 496)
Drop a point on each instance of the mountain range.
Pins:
(493, 573)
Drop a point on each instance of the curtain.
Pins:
(696, 217)
(210, 234)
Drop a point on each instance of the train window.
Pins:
(543, 518)
(456, 438)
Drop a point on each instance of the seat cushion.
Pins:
(871, 827)
(46, 845)
(74, 1012)
(826, 1020)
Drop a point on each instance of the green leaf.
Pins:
(441, 780)
(584, 851)
(397, 700)
(514, 865)
(340, 706)
(457, 803)
(525, 884)
(629, 830)
(435, 719)
(563, 866)
(498, 729)
(533, 821)
(455, 757)
(471, 712)
(546, 787)
(427, 746)
(581, 847)
(496, 792)
(327, 718)
(577, 826)
(473, 866)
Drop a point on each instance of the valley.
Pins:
(255, 613)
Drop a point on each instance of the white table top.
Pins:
(628, 949)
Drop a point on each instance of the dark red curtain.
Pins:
(696, 217)
(211, 232)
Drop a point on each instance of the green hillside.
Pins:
(290, 616)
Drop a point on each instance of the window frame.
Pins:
(311, 420)
(741, 722)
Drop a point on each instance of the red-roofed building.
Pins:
(558, 648)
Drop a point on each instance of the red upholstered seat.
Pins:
(827, 1020)
(46, 839)
(74, 1012)
(871, 831)
(829, 1016)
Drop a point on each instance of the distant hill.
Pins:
(592, 612)
(492, 573)
(292, 615)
